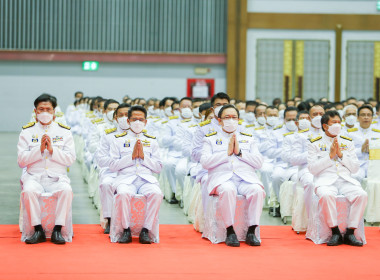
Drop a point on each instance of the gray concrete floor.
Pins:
(83, 210)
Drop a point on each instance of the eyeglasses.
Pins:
(230, 118)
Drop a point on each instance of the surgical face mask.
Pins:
(151, 110)
(137, 126)
(230, 125)
(109, 115)
(351, 120)
(242, 113)
(304, 124)
(44, 117)
(217, 110)
(196, 112)
(186, 113)
(335, 129)
(316, 121)
(261, 120)
(250, 117)
(177, 113)
(272, 121)
(291, 125)
(203, 117)
(168, 111)
(123, 123)
(281, 114)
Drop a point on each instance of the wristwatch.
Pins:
(239, 154)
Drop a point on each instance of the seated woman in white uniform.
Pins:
(231, 160)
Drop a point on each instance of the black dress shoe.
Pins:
(232, 240)
(271, 209)
(252, 240)
(126, 237)
(350, 239)
(107, 229)
(144, 237)
(56, 237)
(37, 237)
(335, 240)
(277, 212)
(173, 201)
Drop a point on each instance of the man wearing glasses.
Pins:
(135, 156)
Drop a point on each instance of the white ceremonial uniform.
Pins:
(334, 176)
(135, 176)
(359, 135)
(232, 175)
(46, 172)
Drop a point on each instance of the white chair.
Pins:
(299, 214)
(137, 218)
(319, 232)
(188, 187)
(286, 199)
(214, 229)
(48, 203)
(193, 202)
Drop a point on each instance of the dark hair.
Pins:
(219, 95)
(328, 106)
(289, 109)
(303, 106)
(45, 98)
(327, 116)
(174, 103)
(351, 98)
(378, 107)
(316, 105)
(186, 98)
(227, 107)
(271, 107)
(204, 107)
(251, 103)
(78, 92)
(276, 101)
(108, 102)
(136, 108)
(266, 106)
(122, 105)
(369, 107)
(301, 113)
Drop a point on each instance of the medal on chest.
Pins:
(57, 139)
(322, 147)
(34, 138)
(218, 142)
(127, 143)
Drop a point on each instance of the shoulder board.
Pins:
(315, 139)
(204, 123)
(240, 122)
(246, 134)
(289, 133)
(259, 128)
(64, 126)
(183, 121)
(149, 136)
(97, 120)
(374, 121)
(376, 130)
(352, 129)
(304, 130)
(211, 134)
(347, 138)
(277, 127)
(173, 117)
(91, 116)
(157, 120)
(28, 125)
(110, 130)
(250, 125)
(59, 114)
(121, 134)
(193, 125)
(164, 122)
(144, 131)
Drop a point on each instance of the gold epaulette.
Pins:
(352, 129)
(193, 125)
(374, 122)
(246, 134)
(315, 139)
(289, 133)
(204, 123)
(59, 114)
(278, 127)
(164, 122)
(91, 116)
(259, 128)
(144, 131)
(97, 120)
(149, 136)
(240, 122)
(250, 125)
(173, 118)
(157, 120)
(345, 137)
(211, 134)
(187, 120)
(304, 130)
(376, 130)
(121, 134)
(110, 130)
(28, 125)
(64, 126)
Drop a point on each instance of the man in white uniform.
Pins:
(332, 160)
(46, 149)
(135, 156)
(231, 159)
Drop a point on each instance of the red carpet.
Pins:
(183, 254)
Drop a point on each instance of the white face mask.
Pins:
(151, 110)
(109, 115)
(351, 120)
(261, 120)
(196, 112)
(250, 117)
(168, 111)
(230, 125)
(44, 117)
(137, 126)
(272, 121)
(186, 113)
(281, 114)
(242, 113)
(304, 124)
(123, 123)
(177, 113)
(335, 129)
(203, 117)
(217, 110)
(316, 121)
(291, 125)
